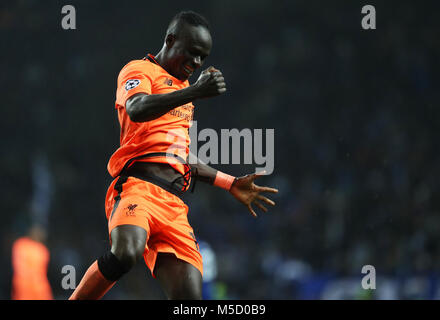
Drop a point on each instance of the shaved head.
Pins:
(187, 44)
(186, 17)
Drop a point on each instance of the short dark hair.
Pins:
(189, 17)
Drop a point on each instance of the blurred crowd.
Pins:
(355, 118)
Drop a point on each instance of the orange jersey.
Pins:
(29, 261)
(166, 134)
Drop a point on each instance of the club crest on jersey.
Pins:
(168, 82)
(130, 210)
(131, 84)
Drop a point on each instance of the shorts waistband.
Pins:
(160, 182)
(168, 186)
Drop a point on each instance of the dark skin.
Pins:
(184, 51)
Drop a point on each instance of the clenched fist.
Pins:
(210, 83)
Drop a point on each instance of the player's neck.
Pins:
(160, 59)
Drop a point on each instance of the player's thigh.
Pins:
(179, 279)
(128, 243)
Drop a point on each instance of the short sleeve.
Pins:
(134, 78)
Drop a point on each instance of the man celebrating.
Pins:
(146, 217)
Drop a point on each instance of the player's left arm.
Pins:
(242, 188)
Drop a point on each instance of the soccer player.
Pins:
(30, 258)
(146, 216)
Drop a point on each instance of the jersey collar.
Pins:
(152, 59)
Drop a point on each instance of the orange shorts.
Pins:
(162, 214)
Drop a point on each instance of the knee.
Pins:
(128, 254)
(191, 294)
(128, 244)
(186, 289)
(112, 267)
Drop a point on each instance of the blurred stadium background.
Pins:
(356, 124)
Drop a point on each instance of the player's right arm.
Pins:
(143, 107)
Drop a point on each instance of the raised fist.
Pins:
(210, 83)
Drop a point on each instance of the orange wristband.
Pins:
(223, 180)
